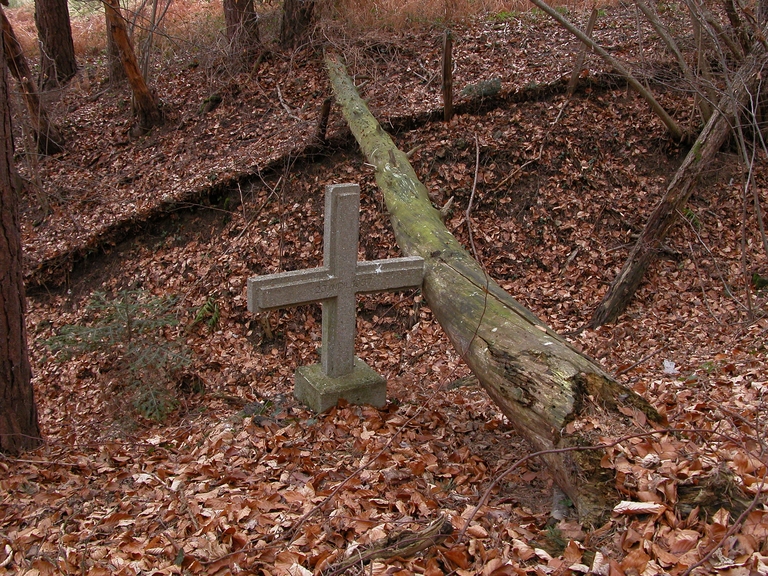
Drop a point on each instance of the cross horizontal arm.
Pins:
(391, 274)
(293, 288)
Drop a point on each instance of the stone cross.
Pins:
(340, 374)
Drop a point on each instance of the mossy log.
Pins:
(554, 396)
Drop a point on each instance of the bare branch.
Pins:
(673, 127)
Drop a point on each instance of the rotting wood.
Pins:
(551, 393)
(322, 123)
(403, 545)
(53, 269)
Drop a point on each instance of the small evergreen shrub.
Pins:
(129, 331)
(209, 314)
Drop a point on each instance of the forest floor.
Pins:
(180, 448)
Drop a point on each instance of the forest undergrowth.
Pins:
(210, 466)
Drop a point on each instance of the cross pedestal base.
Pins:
(320, 392)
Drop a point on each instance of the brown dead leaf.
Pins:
(681, 541)
(627, 507)
(635, 561)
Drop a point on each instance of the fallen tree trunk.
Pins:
(681, 187)
(553, 395)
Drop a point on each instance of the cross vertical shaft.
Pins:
(337, 355)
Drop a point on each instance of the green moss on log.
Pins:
(539, 380)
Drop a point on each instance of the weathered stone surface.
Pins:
(362, 385)
(335, 285)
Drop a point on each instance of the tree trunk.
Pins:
(19, 429)
(579, 64)
(57, 51)
(681, 187)
(242, 27)
(114, 64)
(546, 388)
(447, 76)
(49, 140)
(145, 105)
(297, 18)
